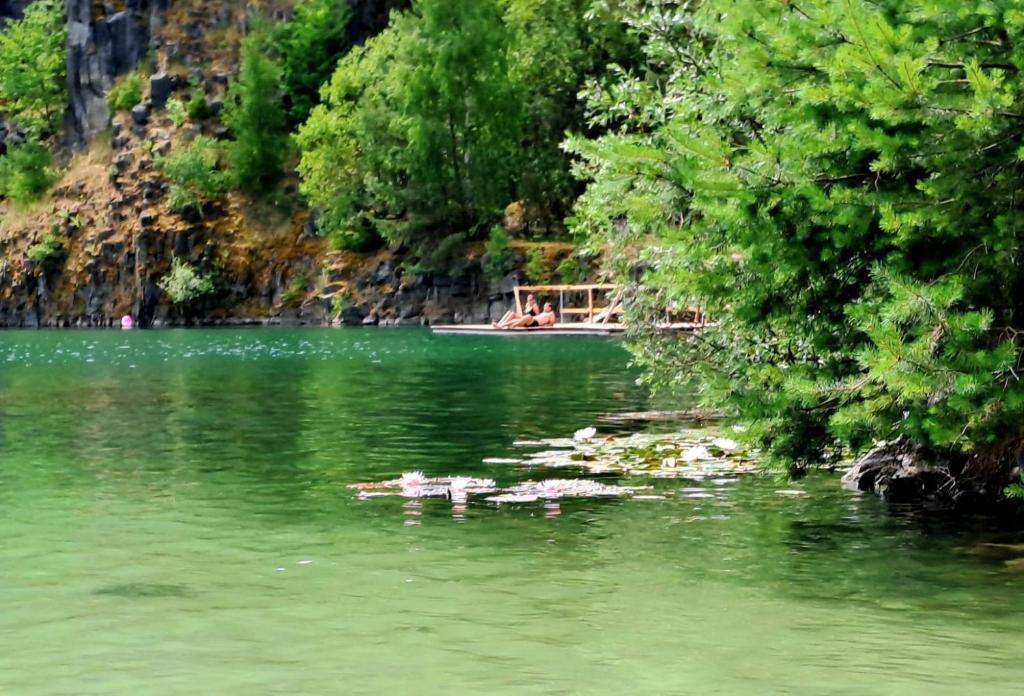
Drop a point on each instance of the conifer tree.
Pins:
(254, 112)
(839, 184)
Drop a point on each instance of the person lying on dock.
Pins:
(512, 316)
(528, 321)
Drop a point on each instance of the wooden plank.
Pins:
(567, 288)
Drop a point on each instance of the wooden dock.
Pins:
(573, 329)
(595, 319)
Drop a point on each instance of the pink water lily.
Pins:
(549, 488)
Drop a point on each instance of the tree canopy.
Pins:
(839, 184)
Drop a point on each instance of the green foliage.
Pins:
(338, 303)
(193, 172)
(309, 46)
(296, 290)
(446, 256)
(572, 270)
(838, 184)
(538, 268)
(183, 283)
(32, 84)
(421, 127)
(254, 113)
(197, 108)
(176, 112)
(497, 258)
(51, 246)
(25, 172)
(126, 93)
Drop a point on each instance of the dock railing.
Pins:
(603, 314)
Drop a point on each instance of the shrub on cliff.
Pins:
(51, 246)
(25, 172)
(497, 258)
(839, 184)
(253, 111)
(125, 93)
(193, 172)
(183, 283)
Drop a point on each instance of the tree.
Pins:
(32, 86)
(420, 129)
(32, 91)
(253, 111)
(840, 184)
(309, 46)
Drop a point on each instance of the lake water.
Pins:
(174, 519)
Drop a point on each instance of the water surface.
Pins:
(175, 520)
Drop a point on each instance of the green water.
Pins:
(174, 520)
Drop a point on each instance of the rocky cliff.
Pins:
(105, 40)
(115, 235)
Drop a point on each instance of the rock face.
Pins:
(100, 48)
(903, 473)
(12, 9)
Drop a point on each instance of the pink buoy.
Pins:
(127, 322)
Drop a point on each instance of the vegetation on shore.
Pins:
(839, 184)
(836, 183)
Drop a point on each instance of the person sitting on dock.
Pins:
(544, 319)
(512, 316)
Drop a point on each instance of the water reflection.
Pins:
(165, 492)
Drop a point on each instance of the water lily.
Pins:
(412, 479)
(459, 483)
(696, 454)
(584, 434)
(549, 488)
(725, 443)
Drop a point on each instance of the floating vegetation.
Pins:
(552, 489)
(694, 455)
(414, 484)
(687, 454)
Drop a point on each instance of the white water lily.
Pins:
(696, 454)
(725, 443)
(412, 478)
(459, 483)
(584, 434)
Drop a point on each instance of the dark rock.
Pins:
(311, 228)
(370, 320)
(352, 315)
(122, 162)
(900, 472)
(159, 89)
(99, 48)
(511, 280)
(215, 106)
(383, 274)
(147, 218)
(140, 114)
(222, 133)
